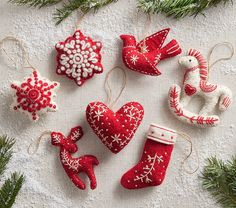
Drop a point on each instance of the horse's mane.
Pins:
(202, 63)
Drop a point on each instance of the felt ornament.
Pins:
(151, 169)
(34, 96)
(196, 83)
(114, 129)
(79, 58)
(145, 56)
(72, 165)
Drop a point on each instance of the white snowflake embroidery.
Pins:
(98, 114)
(134, 59)
(144, 48)
(116, 138)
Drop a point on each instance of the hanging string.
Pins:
(24, 52)
(36, 144)
(108, 87)
(229, 45)
(80, 18)
(144, 34)
(189, 140)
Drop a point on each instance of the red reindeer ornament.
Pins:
(145, 56)
(72, 165)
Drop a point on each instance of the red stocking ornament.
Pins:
(145, 56)
(114, 129)
(151, 169)
(79, 58)
(72, 165)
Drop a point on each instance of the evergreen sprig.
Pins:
(82, 5)
(219, 178)
(10, 190)
(68, 7)
(6, 145)
(178, 8)
(12, 185)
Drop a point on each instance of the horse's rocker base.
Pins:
(186, 116)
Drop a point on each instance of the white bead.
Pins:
(71, 61)
(71, 56)
(69, 51)
(83, 65)
(78, 50)
(82, 52)
(74, 51)
(85, 61)
(94, 47)
(88, 64)
(78, 66)
(90, 49)
(63, 68)
(92, 66)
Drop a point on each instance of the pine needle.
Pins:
(178, 8)
(68, 7)
(12, 185)
(5, 152)
(35, 3)
(219, 179)
(10, 190)
(82, 5)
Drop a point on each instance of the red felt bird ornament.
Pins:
(145, 56)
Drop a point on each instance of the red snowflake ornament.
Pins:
(114, 129)
(79, 58)
(34, 96)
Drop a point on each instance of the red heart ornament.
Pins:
(190, 90)
(114, 129)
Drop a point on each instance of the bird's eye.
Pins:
(189, 60)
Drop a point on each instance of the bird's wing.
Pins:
(154, 41)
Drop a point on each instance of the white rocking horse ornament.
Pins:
(195, 83)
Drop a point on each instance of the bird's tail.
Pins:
(171, 49)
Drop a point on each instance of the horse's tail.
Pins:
(226, 98)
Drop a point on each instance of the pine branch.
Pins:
(35, 3)
(83, 5)
(178, 8)
(5, 152)
(219, 179)
(10, 190)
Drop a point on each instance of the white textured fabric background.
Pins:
(46, 182)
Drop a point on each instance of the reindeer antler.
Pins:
(76, 133)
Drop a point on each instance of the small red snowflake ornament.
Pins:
(114, 129)
(79, 58)
(34, 96)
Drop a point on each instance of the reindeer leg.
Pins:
(92, 178)
(76, 180)
(210, 103)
